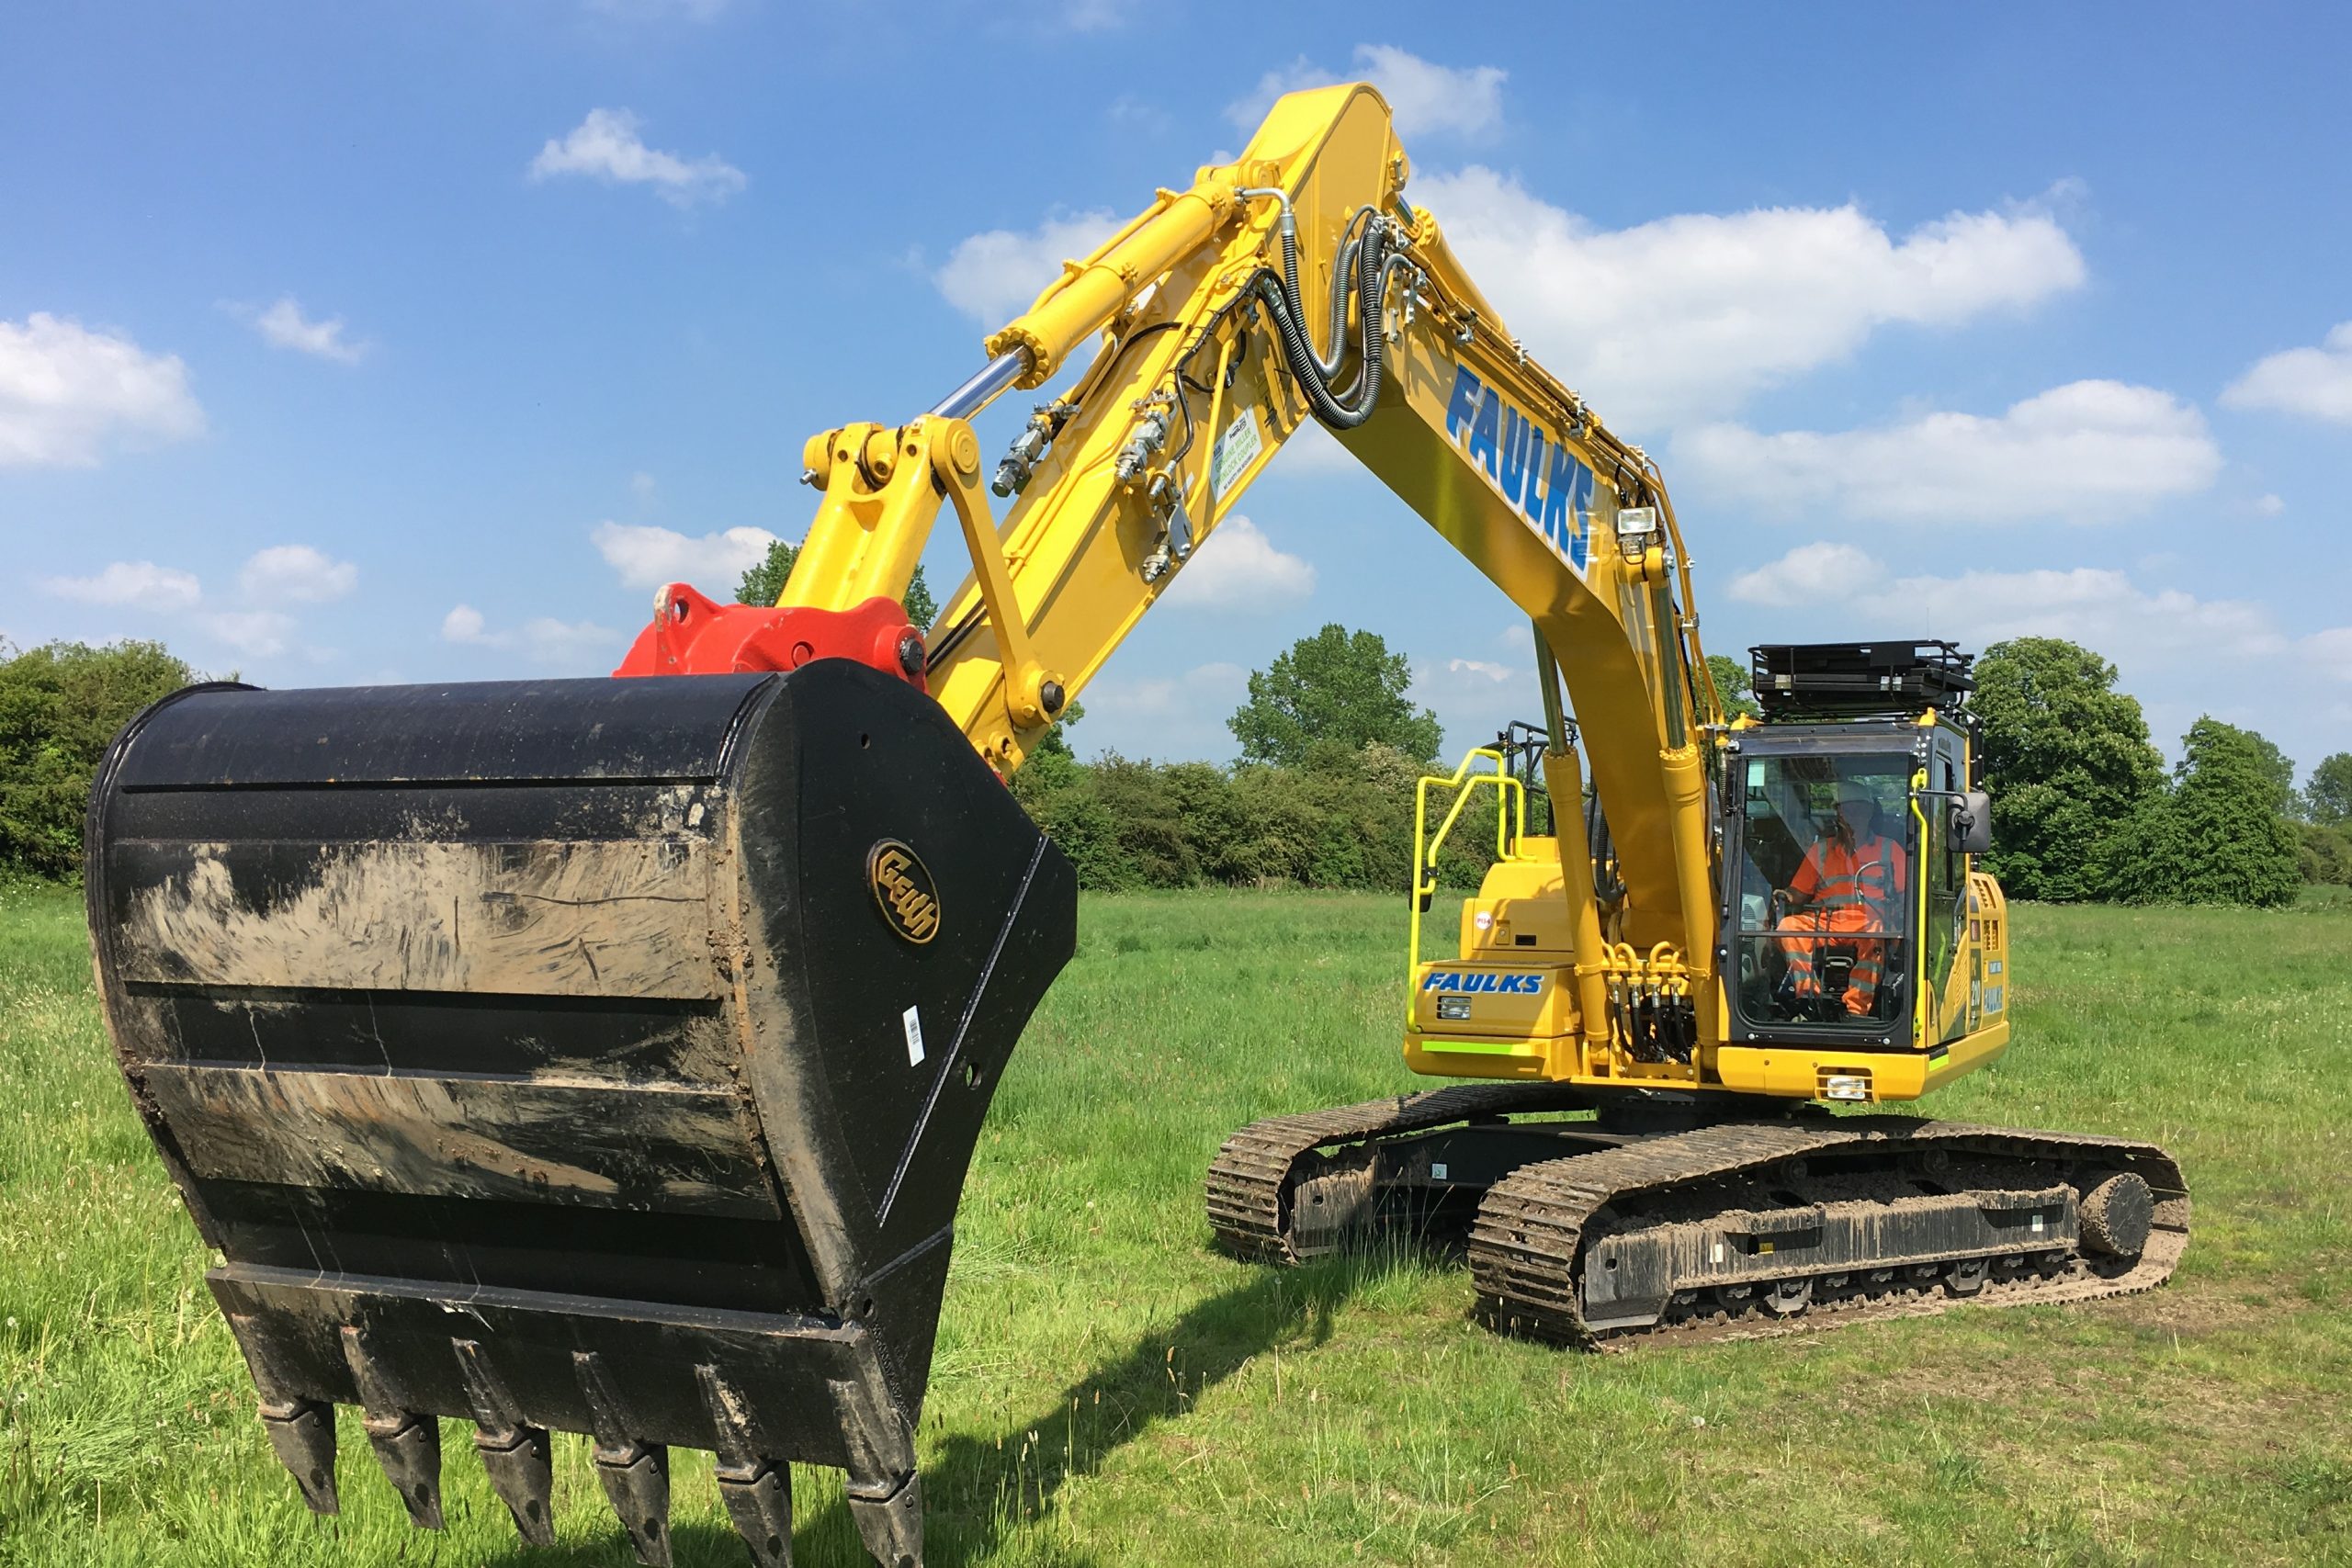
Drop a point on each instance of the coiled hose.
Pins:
(1342, 289)
(1347, 408)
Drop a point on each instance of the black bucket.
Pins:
(594, 1055)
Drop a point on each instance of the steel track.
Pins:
(1528, 1240)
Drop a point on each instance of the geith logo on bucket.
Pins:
(902, 886)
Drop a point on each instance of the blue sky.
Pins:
(342, 345)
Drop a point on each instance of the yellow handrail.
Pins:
(1920, 932)
(1511, 827)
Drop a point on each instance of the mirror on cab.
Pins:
(1971, 823)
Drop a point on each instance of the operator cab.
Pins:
(1848, 825)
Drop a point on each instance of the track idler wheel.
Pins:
(2117, 1213)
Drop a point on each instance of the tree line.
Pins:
(2084, 809)
(1331, 745)
(1331, 748)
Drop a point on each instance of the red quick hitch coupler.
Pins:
(693, 633)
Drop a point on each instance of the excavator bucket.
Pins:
(596, 1055)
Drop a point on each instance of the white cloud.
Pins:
(1475, 699)
(1163, 716)
(1139, 114)
(2087, 452)
(1425, 99)
(1688, 316)
(2317, 383)
(2181, 653)
(283, 325)
(1163, 696)
(296, 574)
(572, 645)
(992, 277)
(2330, 652)
(1236, 570)
(67, 393)
(1428, 99)
(260, 633)
(648, 557)
(642, 486)
(1824, 572)
(139, 583)
(658, 10)
(1311, 449)
(2100, 607)
(606, 146)
(1247, 111)
(1096, 15)
(261, 629)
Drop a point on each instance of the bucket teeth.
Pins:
(636, 1474)
(515, 1452)
(521, 1471)
(302, 1431)
(756, 1489)
(889, 1519)
(758, 1494)
(407, 1443)
(637, 1482)
(409, 1448)
(885, 1496)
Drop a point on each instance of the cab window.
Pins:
(1825, 869)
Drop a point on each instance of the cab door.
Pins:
(1946, 985)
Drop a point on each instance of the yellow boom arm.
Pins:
(1220, 336)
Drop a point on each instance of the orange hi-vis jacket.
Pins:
(1872, 876)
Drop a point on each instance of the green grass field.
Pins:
(1108, 1391)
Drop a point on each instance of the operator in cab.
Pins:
(1850, 881)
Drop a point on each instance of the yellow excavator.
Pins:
(606, 1056)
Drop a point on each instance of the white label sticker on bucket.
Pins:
(912, 1020)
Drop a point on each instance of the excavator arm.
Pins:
(1296, 283)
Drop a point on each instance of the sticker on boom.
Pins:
(904, 890)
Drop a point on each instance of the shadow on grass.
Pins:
(978, 1491)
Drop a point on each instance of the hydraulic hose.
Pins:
(1347, 408)
(1359, 283)
(1607, 885)
(1343, 270)
(1391, 262)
